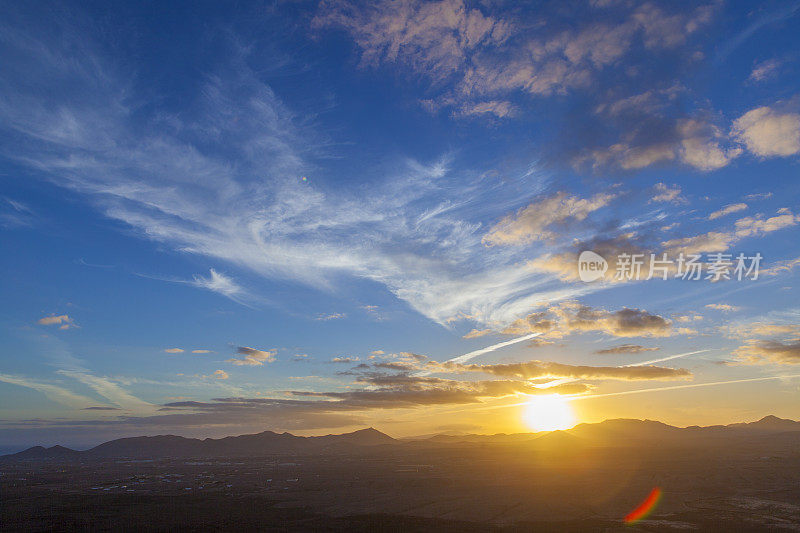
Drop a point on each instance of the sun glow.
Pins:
(548, 413)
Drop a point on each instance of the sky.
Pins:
(317, 217)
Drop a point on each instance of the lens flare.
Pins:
(548, 413)
(645, 508)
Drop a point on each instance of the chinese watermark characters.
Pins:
(692, 267)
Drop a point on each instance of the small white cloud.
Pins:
(727, 210)
(758, 225)
(768, 133)
(331, 316)
(343, 359)
(201, 351)
(700, 146)
(665, 193)
(174, 350)
(722, 307)
(63, 321)
(758, 196)
(221, 374)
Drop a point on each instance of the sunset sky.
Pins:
(225, 218)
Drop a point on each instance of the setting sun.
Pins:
(548, 413)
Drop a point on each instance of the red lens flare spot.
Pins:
(645, 507)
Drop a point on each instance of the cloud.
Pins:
(475, 333)
(723, 307)
(222, 284)
(55, 393)
(769, 351)
(629, 157)
(713, 241)
(217, 417)
(63, 321)
(758, 225)
(222, 182)
(700, 146)
(727, 210)
(436, 391)
(666, 194)
(781, 267)
(692, 141)
(764, 70)
(331, 316)
(110, 390)
(565, 264)
(201, 351)
(498, 108)
(481, 54)
(343, 359)
(572, 317)
(174, 350)
(533, 223)
(758, 196)
(768, 133)
(626, 348)
(720, 241)
(541, 369)
(15, 214)
(435, 37)
(760, 328)
(220, 374)
(253, 357)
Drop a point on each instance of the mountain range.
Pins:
(770, 431)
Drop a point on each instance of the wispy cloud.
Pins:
(727, 210)
(167, 185)
(330, 316)
(55, 393)
(222, 284)
(109, 389)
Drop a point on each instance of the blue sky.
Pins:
(220, 219)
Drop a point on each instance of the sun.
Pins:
(548, 413)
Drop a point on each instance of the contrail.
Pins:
(650, 362)
(574, 397)
(675, 387)
(471, 355)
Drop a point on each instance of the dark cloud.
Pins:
(538, 369)
(626, 348)
(572, 317)
(253, 357)
(433, 391)
(770, 351)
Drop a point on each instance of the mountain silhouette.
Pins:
(173, 446)
(768, 432)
